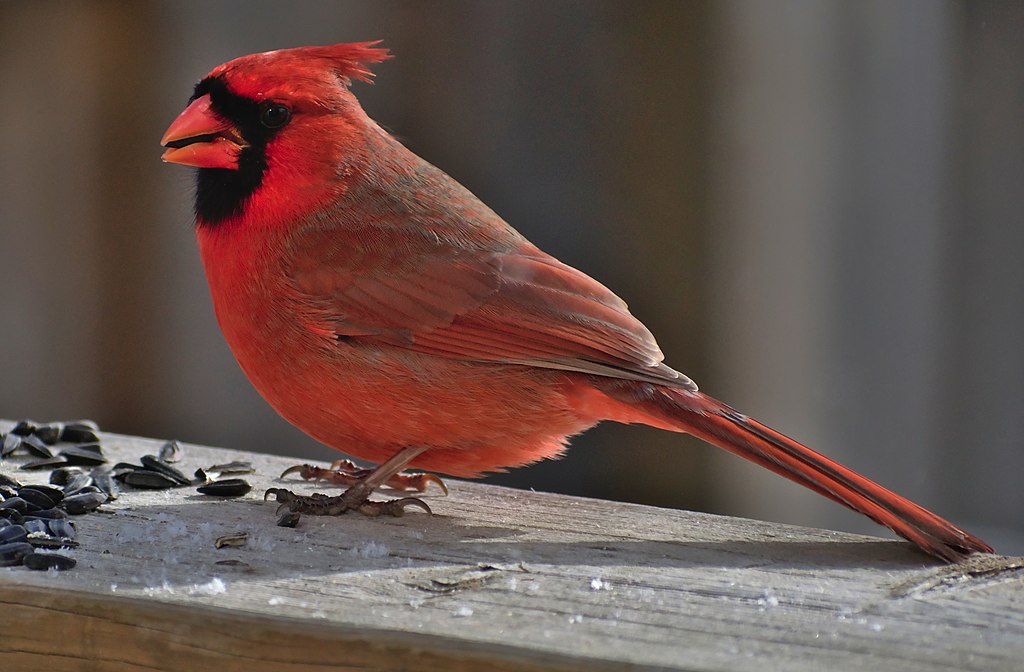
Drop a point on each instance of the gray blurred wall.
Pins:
(816, 206)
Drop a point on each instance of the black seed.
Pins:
(75, 432)
(44, 561)
(104, 480)
(9, 481)
(77, 482)
(36, 525)
(17, 503)
(84, 503)
(36, 500)
(13, 533)
(47, 463)
(54, 493)
(85, 489)
(24, 427)
(12, 442)
(88, 454)
(46, 513)
(144, 478)
(170, 452)
(49, 434)
(156, 464)
(35, 446)
(228, 487)
(122, 468)
(12, 515)
(12, 554)
(62, 528)
(236, 467)
(93, 448)
(63, 475)
(288, 519)
(83, 424)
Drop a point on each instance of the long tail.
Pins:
(709, 419)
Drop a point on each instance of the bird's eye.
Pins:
(274, 115)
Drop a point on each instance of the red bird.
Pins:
(384, 310)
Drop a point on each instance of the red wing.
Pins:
(518, 307)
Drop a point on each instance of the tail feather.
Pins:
(709, 419)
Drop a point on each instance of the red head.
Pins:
(274, 126)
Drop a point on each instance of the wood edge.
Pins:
(60, 630)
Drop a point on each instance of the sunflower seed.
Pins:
(62, 528)
(48, 514)
(36, 500)
(77, 483)
(55, 494)
(228, 487)
(44, 561)
(16, 503)
(144, 478)
(9, 482)
(104, 480)
(36, 526)
(84, 503)
(12, 554)
(46, 463)
(13, 533)
(24, 427)
(63, 475)
(156, 464)
(49, 434)
(35, 446)
(79, 432)
(87, 454)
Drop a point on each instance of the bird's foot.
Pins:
(346, 472)
(356, 498)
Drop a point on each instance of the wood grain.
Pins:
(496, 579)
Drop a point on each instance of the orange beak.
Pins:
(198, 137)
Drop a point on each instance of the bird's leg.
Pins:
(357, 497)
(346, 472)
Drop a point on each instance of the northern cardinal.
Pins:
(381, 308)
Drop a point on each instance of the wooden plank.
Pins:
(496, 579)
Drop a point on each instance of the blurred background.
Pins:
(817, 206)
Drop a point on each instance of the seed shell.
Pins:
(170, 452)
(11, 443)
(288, 519)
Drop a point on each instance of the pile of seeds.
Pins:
(34, 516)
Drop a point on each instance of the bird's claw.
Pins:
(346, 472)
(355, 499)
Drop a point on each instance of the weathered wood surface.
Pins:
(496, 579)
